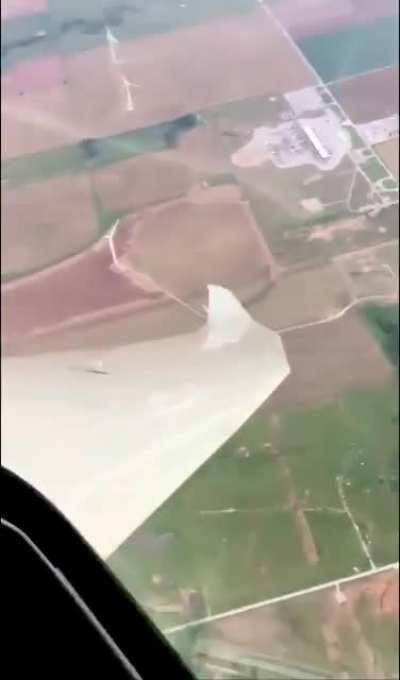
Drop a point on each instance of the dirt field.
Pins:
(328, 232)
(45, 222)
(309, 17)
(388, 254)
(302, 182)
(176, 247)
(137, 182)
(177, 73)
(34, 112)
(202, 150)
(36, 122)
(302, 296)
(279, 220)
(15, 8)
(33, 75)
(209, 237)
(96, 95)
(389, 152)
(150, 179)
(127, 324)
(327, 360)
(371, 271)
(314, 629)
(370, 96)
(171, 75)
(80, 289)
(291, 230)
(373, 600)
(383, 589)
(203, 66)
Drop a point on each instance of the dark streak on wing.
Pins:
(98, 371)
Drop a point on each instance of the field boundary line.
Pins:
(344, 79)
(282, 598)
(350, 253)
(127, 272)
(358, 301)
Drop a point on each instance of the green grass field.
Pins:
(374, 169)
(95, 153)
(229, 531)
(76, 27)
(236, 558)
(353, 50)
(354, 438)
(383, 320)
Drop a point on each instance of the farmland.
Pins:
(141, 260)
(240, 556)
(369, 96)
(389, 153)
(353, 637)
(77, 27)
(248, 547)
(171, 239)
(240, 497)
(93, 97)
(335, 56)
(70, 293)
(38, 231)
(302, 296)
(305, 18)
(153, 150)
(15, 8)
(329, 211)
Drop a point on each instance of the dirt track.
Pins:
(302, 296)
(37, 230)
(302, 526)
